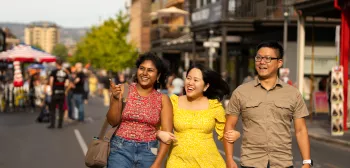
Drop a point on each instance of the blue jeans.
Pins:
(130, 154)
(70, 104)
(79, 103)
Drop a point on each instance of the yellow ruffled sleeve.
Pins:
(174, 100)
(220, 118)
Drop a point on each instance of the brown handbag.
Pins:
(98, 150)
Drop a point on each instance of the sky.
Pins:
(65, 13)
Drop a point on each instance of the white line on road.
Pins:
(81, 141)
(234, 157)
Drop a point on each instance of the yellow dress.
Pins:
(195, 146)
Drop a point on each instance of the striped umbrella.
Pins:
(24, 53)
(45, 57)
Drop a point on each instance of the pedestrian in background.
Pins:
(196, 115)
(177, 86)
(93, 84)
(106, 84)
(268, 106)
(58, 78)
(78, 90)
(135, 143)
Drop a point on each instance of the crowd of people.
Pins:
(64, 88)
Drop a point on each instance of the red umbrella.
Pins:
(24, 53)
(45, 57)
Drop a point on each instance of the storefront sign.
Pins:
(207, 14)
(321, 102)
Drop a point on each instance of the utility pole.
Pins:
(285, 31)
(211, 45)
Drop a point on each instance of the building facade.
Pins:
(139, 31)
(11, 39)
(43, 34)
(168, 28)
(2, 40)
(239, 25)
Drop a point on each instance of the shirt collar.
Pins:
(278, 82)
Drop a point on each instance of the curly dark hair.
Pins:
(218, 88)
(158, 62)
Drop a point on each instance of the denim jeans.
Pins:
(79, 103)
(70, 104)
(130, 154)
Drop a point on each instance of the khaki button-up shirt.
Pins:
(267, 117)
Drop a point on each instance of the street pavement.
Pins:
(25, 143)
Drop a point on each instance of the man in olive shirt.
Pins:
(268, 106)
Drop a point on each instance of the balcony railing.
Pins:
(166, 32)
(259, 9)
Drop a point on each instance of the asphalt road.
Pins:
(25, 143)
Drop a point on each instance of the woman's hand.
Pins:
(166, 137)
(155, 165)
(230, 163)
(232, 135)
(116, 90)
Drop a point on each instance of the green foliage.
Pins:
(60, 51)
(105, 46)
(37, 46)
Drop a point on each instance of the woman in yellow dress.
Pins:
(196, 115)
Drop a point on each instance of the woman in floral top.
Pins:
(134, 143)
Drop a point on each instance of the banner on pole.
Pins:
(337, 101)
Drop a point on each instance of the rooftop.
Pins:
(42, 24)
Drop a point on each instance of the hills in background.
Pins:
(67, 35)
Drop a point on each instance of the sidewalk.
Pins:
(320, 129)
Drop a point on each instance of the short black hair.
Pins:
(158, 62)
(218, 88)
(272, 44)
(59, 61)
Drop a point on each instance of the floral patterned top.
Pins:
(141, 116)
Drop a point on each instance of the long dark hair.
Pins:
(218, 88)
(161, 68)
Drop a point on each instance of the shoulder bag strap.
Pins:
(107, 136)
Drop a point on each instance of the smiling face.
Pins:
(194, 83)
(147, 74)
(267, 69)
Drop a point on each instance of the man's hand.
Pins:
(230, 163)
(306, 166)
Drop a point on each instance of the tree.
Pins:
(106, 47)
(37, 47)
(60, 51)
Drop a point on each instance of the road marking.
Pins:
(81, 141)
(234, 157)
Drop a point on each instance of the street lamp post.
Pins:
(211, 50)
(285, 32)
(211, 45)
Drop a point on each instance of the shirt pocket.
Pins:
(283, 111)
(252, 109)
